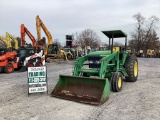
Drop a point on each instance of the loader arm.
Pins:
(7, 42)
(105, 64)
(25, 30)
(78, 65)
(9, 36)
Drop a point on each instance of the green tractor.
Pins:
(95, 74)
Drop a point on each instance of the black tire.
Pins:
(131, 67)
(38, 64)
(8, 68)
(29, 64)
(1, 69)
(116, 82)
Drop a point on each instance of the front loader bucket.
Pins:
(82, 89)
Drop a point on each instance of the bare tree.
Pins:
(88, 38)
(144, 37)
(57, 42)
(118, 44)
(2, 45)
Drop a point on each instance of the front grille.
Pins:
(94, 61)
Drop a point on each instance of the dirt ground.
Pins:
(137, 101)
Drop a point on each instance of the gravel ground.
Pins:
(137, 101)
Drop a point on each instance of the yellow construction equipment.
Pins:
(150, 53)
(52, 50)
(7, 42)
(8, 37)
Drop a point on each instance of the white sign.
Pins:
(37, 79)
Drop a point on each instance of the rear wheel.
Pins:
(8, 68)
(131, 66)
(116, 82)
(30, 64)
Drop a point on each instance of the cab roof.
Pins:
(115, 34)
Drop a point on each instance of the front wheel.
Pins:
(116, 82)
(30, 64)
(8, 68)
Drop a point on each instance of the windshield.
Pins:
(31, 52)
(66, 50)
(70, 49)
(53, 49)
(26, 52)
(2, 51)
(22, 52)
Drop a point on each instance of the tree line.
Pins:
(145, 36)
(142, 38)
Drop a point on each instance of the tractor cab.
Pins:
(116, 34)
(2, 51)
(26, 52)
(23, 52)
(53, 49)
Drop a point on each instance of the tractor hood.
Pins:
(107, 52)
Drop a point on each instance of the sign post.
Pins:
(37, 80)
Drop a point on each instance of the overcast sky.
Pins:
(63, 17)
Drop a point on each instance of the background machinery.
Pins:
(150, 53)
(7, 42)
(24, 31)
(8, 37)
(8, 61)
(95, 73)
(52, 50)
(29, 57)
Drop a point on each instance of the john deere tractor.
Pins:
(95, 74)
